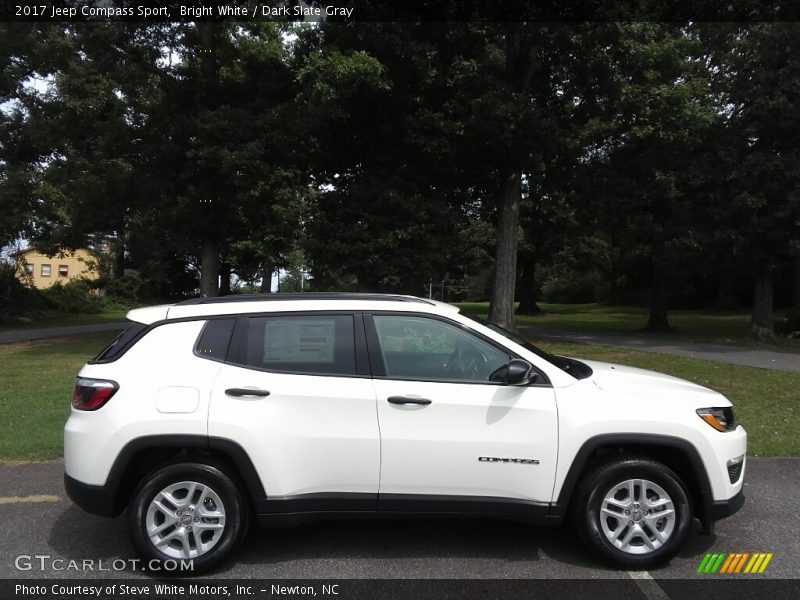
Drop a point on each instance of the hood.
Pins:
(641, 382)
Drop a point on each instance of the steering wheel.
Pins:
(465, 363)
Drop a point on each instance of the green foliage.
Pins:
(16, 299)
(658, 159)
(572, 287)
(128, 289)
(78, 296)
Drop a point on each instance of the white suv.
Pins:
(207, 413)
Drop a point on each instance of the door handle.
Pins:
(246, 392)
(408, 400)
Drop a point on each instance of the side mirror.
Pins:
(520, 372)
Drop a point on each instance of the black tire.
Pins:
(587, 513)
(233, 530)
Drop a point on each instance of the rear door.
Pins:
(452, 439)
(296, 393)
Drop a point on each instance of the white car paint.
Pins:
(339, 434)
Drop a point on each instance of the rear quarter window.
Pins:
(213, 341)
(121, 344)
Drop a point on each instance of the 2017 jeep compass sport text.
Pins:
(209, 413)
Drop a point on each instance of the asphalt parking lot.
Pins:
(38, 519)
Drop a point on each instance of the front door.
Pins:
(450, 437)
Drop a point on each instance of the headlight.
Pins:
(721, 419)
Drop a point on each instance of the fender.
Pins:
(703, 501)
(114, 487)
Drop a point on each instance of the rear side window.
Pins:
(121, 343)
(212, 343)
(311, 344)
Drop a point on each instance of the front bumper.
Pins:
(725, 508)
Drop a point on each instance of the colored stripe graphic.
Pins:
(703, 564)
(718, 563)
(735, 562)
(740, 564)
(726, 565)
(767, 558)
(750, 564)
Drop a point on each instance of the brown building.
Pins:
(41, 271)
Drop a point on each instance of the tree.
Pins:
(181, 130)
(390, 212)
(758, 78)
(658, 113)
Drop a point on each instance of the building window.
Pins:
(63, 270)
(29, 269)
(45, 270)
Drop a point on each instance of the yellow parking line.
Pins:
(27, 499)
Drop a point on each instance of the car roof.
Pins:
(310, 301)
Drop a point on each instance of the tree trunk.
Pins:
(762, 326)
(266, 279)
(501, 308)
(794, 308)
(209, 254)
(224, 279)
(658, 320)
(209, 269)
(119, 259)
(527, 286)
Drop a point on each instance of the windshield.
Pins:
(572, 366)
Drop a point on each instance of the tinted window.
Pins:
(121, 343)
(213, 340)
(314, 344)
(428, 349)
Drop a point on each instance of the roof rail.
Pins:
(302, 296)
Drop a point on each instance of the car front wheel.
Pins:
(633, 512)
(188, 512)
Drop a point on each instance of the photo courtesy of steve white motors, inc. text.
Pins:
(169, 589)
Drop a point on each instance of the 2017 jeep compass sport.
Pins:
(208, 413)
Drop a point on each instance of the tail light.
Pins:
(91, 394)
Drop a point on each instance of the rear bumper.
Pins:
(94, 499)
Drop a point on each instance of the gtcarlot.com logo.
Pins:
(46, 562)
(735, 562)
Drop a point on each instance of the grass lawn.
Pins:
(36, 382)
(110, 315)
(709, 326)
(35, 391)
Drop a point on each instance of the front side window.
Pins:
(427, 349)
(29, 269)
(312, 344)
(63, 270)
(572, 366)
(45, 270)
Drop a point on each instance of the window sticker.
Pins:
(299, 341)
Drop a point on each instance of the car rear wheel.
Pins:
(633, 512)
(187, 512)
